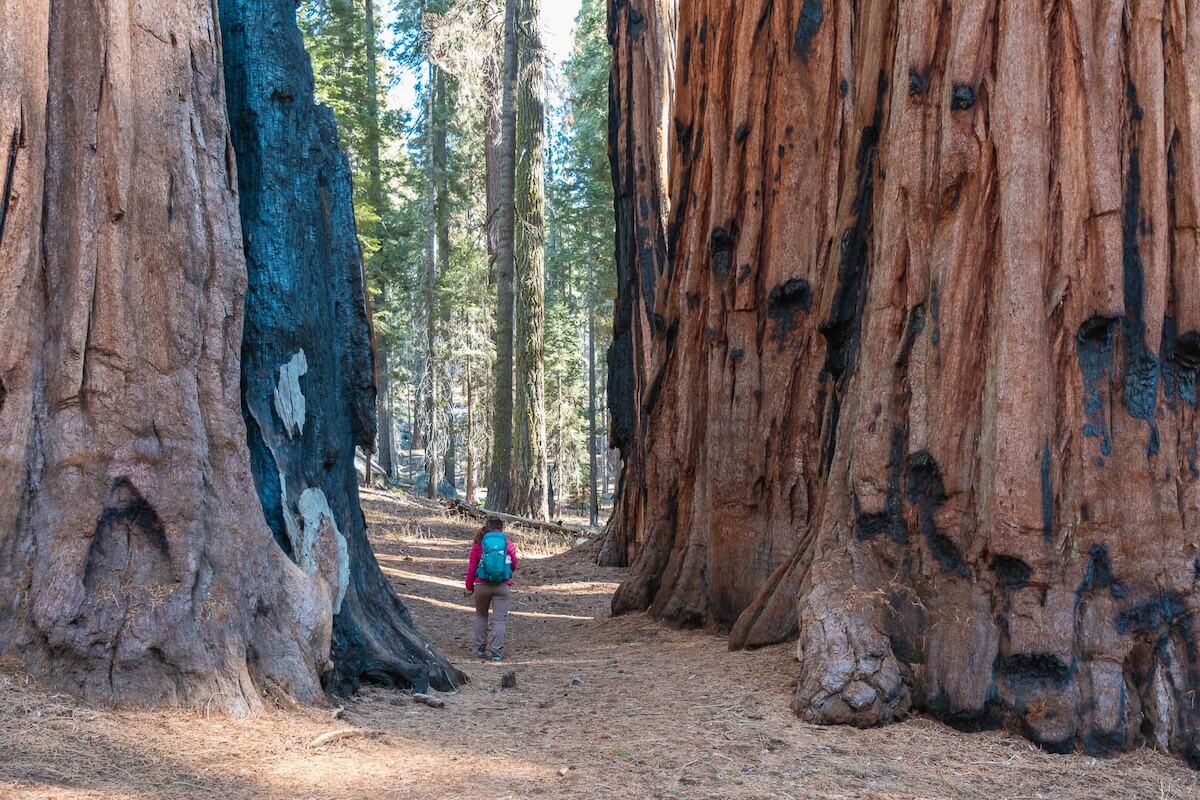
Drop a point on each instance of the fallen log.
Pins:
(458, 506)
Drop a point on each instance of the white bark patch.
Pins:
(289, 399)
(320, 548)
(318, 521)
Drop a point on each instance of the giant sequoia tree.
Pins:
(135, 561)
(929, 336)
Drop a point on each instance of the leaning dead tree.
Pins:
(135, 563)
(307, 372)
(641, 87)
(931, 329)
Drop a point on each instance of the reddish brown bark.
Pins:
(641, 85)
(932, 328)
(135, 562)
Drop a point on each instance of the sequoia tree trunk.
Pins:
(499, 485)
(429, 286)
(307, 374)
(641, 88)
(528, 483)
(135, 562)
(932, 328)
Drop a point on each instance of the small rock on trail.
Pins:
(508, 680)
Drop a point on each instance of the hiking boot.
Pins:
(481, 652)
(497, 656)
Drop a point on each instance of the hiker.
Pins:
(489, 579)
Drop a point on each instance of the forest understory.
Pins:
(603, 707)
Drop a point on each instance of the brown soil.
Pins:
(654, 712)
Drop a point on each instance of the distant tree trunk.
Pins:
(430, 286)
(641, 87)
(593, 499)
(470, 487)
(417, 441)
(450, 461)
(135, 563)
(933, 328)
(529, 496)
(500, 475)
(383, 375)
(442, 216)
(383, 385)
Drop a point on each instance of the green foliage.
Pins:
(461, 37)
(579, 266)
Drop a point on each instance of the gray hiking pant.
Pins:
(495, 595)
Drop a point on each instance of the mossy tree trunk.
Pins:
(499, 485)
(528, 469)
(931, 326)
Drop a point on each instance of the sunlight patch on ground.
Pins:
(579, 588)
(416, 557)
(471, 609)
(417, 576)
(428, 544)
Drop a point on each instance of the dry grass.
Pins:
(655, 713)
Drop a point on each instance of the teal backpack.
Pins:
(494, 566)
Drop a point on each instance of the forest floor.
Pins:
(603, 708)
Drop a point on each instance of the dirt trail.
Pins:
(620, 708)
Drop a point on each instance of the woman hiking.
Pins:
(489, 579)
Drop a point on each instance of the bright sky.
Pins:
(558, 18)
(558, 21)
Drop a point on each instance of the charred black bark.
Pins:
(307, 368)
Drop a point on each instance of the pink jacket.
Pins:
(473, 564)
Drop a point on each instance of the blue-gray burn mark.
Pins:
(926, 490)
(843, 329)
(721, 249)
(962, 98)
(888, 523)
(786, 300)
(1099, 574)
(812, 14)
(6, 189)
(1164, 610)
(1047, 493)
(1142, 372)
(1094, 352)
(1180, 361)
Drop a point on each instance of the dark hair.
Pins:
(491, 524)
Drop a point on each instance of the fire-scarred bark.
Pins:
(641, 87)
(307, 373)
(931, 326)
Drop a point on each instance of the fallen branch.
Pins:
(460, 507)
(429, 700)
(336, 736)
